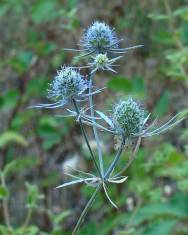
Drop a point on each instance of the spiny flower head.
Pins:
(101, 61)
(99, 38)
(128, 117)
(67, 83)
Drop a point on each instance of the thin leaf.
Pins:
(72, 49)
(106, 118)
(116, 181)
(126, 49)
(50, 106)
(171, 123)
(12, 137)
(108, 197)
(94, 92)
(70, 183)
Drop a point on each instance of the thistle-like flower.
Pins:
(130, 120)
(101, 62)
(99, 38)
(128, 117)
(67, 84)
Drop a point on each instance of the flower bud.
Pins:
(101, 61)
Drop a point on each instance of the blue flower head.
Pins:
(68, 83)
(128, 117)
(99, 38)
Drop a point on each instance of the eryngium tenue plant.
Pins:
(128, 119)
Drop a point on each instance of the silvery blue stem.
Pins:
(88, 206)
(132, 158)
(95, 131)
(85, 136)
(114, 163)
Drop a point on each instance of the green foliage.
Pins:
(33, 196)
(162, 105)
(44, 11)
(9, 100)
(175, 21)
(12, 137)
(47, 130)
(22, 62)
(135, 86)
(3, 192)
(35, 144)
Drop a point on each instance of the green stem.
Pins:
(28, 218)
(5, 204)
(172, 24)
(172, 27)
(133, 156)
(85, 136)
(88, 206)
(132, 217)
(116, 159)
(95, 131)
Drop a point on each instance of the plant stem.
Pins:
(128, 225)
(95, 131)
(133, 156)
(113, 164)
(88, 206)
(90, 202)
(172, 24)
(28, 218)
(5, 204)
(85, 136)
(172, 27)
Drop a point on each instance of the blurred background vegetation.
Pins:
(36, 146)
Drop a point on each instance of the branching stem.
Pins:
(88, 206)
(116, 159)
(133, 156)
(85, 136)
(95, 131)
